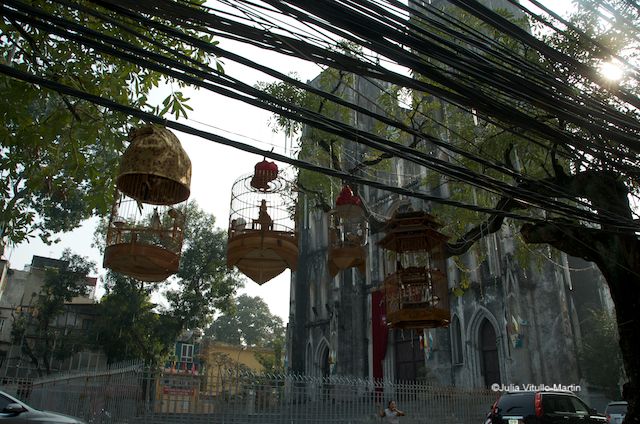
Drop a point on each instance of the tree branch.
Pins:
(603, 189)
(490, 226)
(565, 235)
(380, 158)
(321, 202)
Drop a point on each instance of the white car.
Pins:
(15, 412)
(615, 412)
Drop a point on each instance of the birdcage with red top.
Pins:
(262, 240)
(348, 233)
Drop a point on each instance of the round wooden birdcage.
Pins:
(416, 287)
(348, 233)
(144, 241)
(154, 169)
(262, 238)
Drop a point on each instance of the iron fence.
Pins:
(133, 393)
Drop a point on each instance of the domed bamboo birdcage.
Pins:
(146, 225)
(262, 238)
(155, 169)
(416, 288)
(348, 231)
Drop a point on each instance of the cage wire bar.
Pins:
(133, 393)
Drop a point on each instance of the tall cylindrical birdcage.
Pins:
(262, 237)
(416, 287)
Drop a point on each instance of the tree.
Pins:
(205, 285)
(128, 325)
(34, 328)
(250, 324)
(600, 355)
(59, 155)
(131, 326)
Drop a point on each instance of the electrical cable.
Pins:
(563, 206)
(35, 79)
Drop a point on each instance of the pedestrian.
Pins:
(391, 413)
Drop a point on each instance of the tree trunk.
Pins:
(624, 286)
(618, 258)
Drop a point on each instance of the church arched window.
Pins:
(456, 342)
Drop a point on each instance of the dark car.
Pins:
(15, 412)
(542, 407)
(615, 412)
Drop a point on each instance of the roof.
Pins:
(44, 262)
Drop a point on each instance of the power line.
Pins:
(34, 79)
(345, 130)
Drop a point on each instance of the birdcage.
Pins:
(262, 238)
(155, 169)
(348, 233)
(146, 225)
(416, 288)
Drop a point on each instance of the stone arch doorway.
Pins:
(324, 363)
(308, 366)
(489, 357)
(322, 359)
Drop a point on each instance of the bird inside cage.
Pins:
(264, 221)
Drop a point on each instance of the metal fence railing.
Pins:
(132, 393)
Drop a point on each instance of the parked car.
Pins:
(16, 412)
(542, 407)
(615, 412)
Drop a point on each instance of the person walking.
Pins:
(391, 413)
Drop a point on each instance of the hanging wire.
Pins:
(400, 155)
(34, 79)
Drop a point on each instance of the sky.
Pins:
(214, 167)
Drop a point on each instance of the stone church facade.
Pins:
(515, 324)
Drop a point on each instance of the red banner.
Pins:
(379, 332)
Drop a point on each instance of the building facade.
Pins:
(514, 323)
(19, 290)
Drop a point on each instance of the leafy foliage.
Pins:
(600, 353)
(129, 327)
(205, 284)
(250, 323)
(58, 155)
